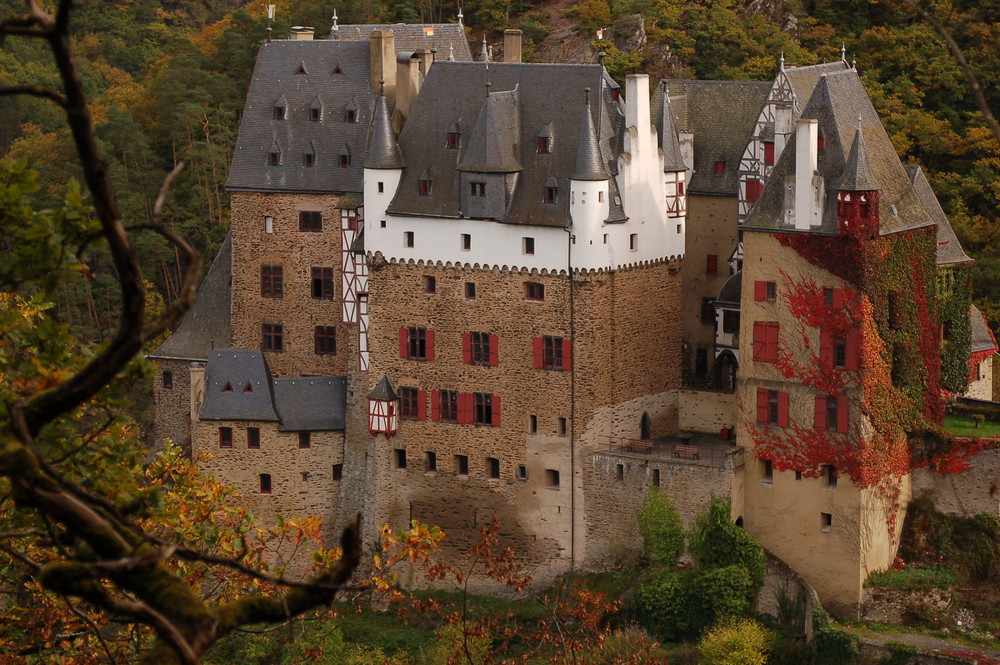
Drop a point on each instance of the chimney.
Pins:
(808, 185)
(302, 32)
(383, 63)
(637, 110)
(686, 139)
(512, 45)
(427, 58)
(408, 78)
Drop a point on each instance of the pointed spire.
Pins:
(673, 160)
(589, 165)
(334, 29)
(854, 64)
(383, 391)
(781, 62)
(451, 53)
(484, 54)
(460, 15)
(383, 151)
(857, 172)
(843, 52)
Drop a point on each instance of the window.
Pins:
(561, 427)
(305, 440)
(552, 478)
(479, 348)
(493, 467)
(534, 291)
(768, 153)
(416, 343)
(279, 112)
(462, 465)
(707, 310)
(765, 341)
(830, 474)
(477, 188)
(552, 353)
(701, 361)
(272, 337)
(768, 469)
(430, 284)
(550, 194)
(430, 462)
(820, 142)
(253, 437)
(268, 224)
(424, 187)
(225, 437)
(730, 321)
(338, 471)
(351, 116)
(720, 167)
(528, 245)
(315, 115)
(322, 283)
(633, 242)
(833, 298)
(544, 144)
(466, 242)
(831, 414)
(532, 424)
(273, 158)
(265, 483)
(271, 282)
(754, 189)
(325, 340)
(168, 380)
(452, 140)
(310, 220)
(839, 352)
(343, 160)
(772, 407)
(412, 404)
(381, 187)
(470, 290)
(765, 291)
(826, 521)
(407, 238)
(444, 406)
(656, 477)
(798, 475)
(522, 472)
(483, 414)
(400, 454)
(712, 264)
(308, 159)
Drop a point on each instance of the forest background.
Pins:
(167, 81)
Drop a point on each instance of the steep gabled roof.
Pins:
(274, 79)
(949, 249)
(455, 92)
(414, 36)
(311, 404)
(666, 130)
(206, 324)
(721, 115)
(227, 375)
(982, 341)
(803, 80)
(492, 145)
(837, 102)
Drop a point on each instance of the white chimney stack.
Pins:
(807, 187)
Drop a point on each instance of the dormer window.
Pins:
(351, 116)
(544, 144)
(279, 112)
(551, 191)
(273, 158)
(477, 188)
(337, 69)
(309, 156)
(452, 140)
(301, 69)
(820, 142)
(316, 110)
(614, 94)
(344, 157)
(720, 166)
(424, 185)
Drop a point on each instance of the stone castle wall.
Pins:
(976, 490)
(707, 411)
(173, 405)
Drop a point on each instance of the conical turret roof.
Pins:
(857, 172)
(589, 165)
(383, 151)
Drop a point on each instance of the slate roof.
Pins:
(382, 152)
(206, 324)
(311, 404)
(949, 249)
(227, 376)
(982, 337)
(857, 175)
(275, 81)
(837, 102)
(804, 79)
(530, 99)
(722, 116)
(731, 292)
(414, 36)
(666, 132)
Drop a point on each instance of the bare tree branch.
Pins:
(33, 91)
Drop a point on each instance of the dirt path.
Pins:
(981, 655)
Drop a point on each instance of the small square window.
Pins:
(310, 220)
(265, 483)
(408, 239)
(343, 161)
(633, 242)
(381, 188)
(430, 462)
(168, 380)
(477, 189)
(400, 458)
(466, 242)
(528, 245)
(268, 224)
(798, 475)
(430, 284)
(522, 472)
(305, 440)
(552, 478)
(308, 159)
(462, 465)
(273, 158)
(544, 144)
(338, 471)
(382, 223)
(315, 115)
(225, 437)
(768, 469)
(826, 521)
(253, 437)
(830, 473)
(619, 472)
(656, 477)
(534, 291)
(470, 290)
(493, 467)
(561, 427)
(351, 116)
(532, 424)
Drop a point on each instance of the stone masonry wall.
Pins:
(707, 411)
(297, 252)
(173, 405)
(976, 490)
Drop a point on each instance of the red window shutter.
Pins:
(782, 409)
(404, 343)
(422, 404)
(838, 298)
(494, 350)
(759, 341)
(496, 410)
(567, 355)
(819, 421)
(771, 351)
(852, 348)
(712, 264)
(754, 188)
(537, 352)
(842, 415)
(430, 345)
(436, 405)
(467, 348)
(759, 290)
(768, 153)
(466, 408)
(761, 406)
(825, 349)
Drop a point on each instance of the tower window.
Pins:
(528, 245)
(322, 283)
(493, 467)
(430, 462)
(400, 458)
(462, 465)
(305, 440)
(272, 337)
(310, 220)
(633, 242)
(168, 380)
(265, 483)
(544, 144)
(325, 340)
(552, 478)
(466, 242)
(407, 238)
(470, 290)
(253, 437)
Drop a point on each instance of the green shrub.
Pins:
(735, 642)
(716, 542)
(820, 618)
(717, 593)
(899, 653)
(663, 605)
(534, 25)
(915, 577)
(661, 527)
(835, 646)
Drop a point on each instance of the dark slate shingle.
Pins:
(414, 36)
(227, 376)
(949, 249)
(311, 404)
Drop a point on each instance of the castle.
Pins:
(459, 289)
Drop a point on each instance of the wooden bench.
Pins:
(640, 446)
(681, 450)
